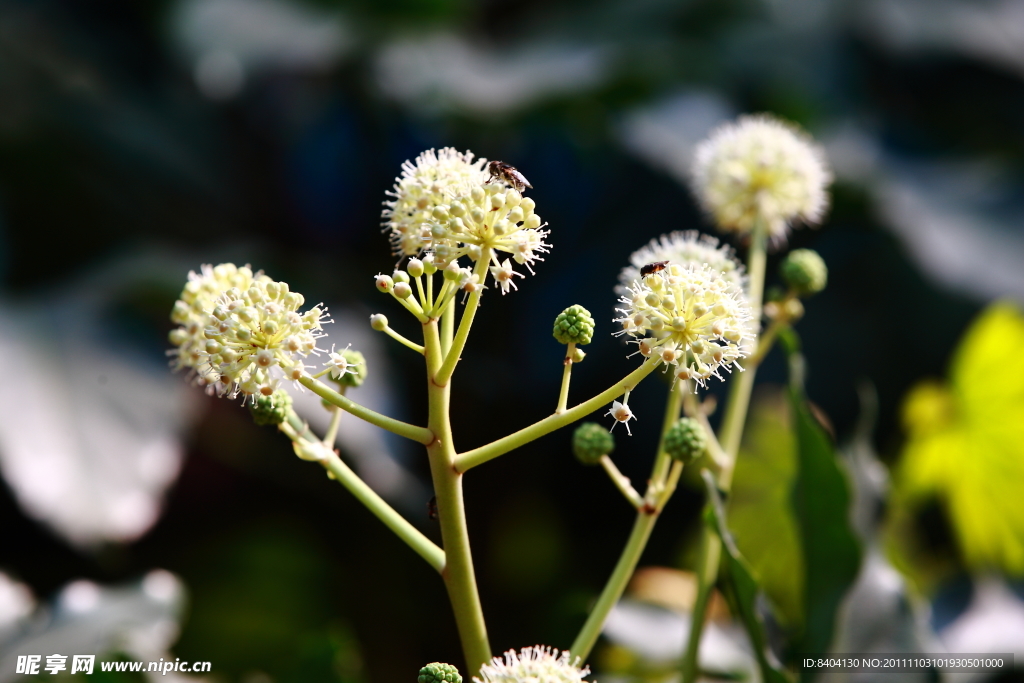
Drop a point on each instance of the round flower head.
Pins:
(191, 311)
(423, 185)
(684, 247)
(488, 215)
(255, 337)
(538, 664)
(760, 167)
(698, 321)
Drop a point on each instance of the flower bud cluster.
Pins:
(685, 247)
(590, 441)
(439, 672)
(686, 440)
(697, 321)
(574, 325)
(804, 271)
(760, 168)
(253, 337)
(271, 410)
(424, 185)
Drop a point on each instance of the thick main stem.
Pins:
(458, 574)
(731, 436)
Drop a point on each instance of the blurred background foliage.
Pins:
(138, 140)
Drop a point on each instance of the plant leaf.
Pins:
(740, 583)
(821, 502)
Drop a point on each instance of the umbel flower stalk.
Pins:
(757, 177)
(460, 231)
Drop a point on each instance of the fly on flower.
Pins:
(508, 173)
(652, 268)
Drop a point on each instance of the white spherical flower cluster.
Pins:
(761, 168)
(698, 321)
(191, 311)
(489, 216)
(252, 337)
(538, 664)
(685, 247)
(423, 185)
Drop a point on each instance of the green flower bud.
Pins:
(414, 267)
(439, 672)
(574, 325)
(355, 364)
(379, 322)
(578, 355)
(590, 441)
(385, 283)
(271, 410)
(400, 276)
(804, 271)
(686, 440)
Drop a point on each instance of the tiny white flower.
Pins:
(538, 664)
(621, 413)
(761, 168)
(503, 275)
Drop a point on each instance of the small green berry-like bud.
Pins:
(574, 325)
(439, 672)
(271, 410)
(590, 441)
(686, 440)
(355, 369)
(385, 283)
(400, 276)
(578, 355)
(379, 322)
(804, 271)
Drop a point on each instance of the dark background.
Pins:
(109, 149)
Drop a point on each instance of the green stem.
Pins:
(459, 576)
(419, 434)
(478, 456)
(332, 430)
(451, 359)
(616, 585)
(447, 328)
(622, 482)
(563, 393)
(423, 546)
(402, 340)
(732, 434)
(659, 490)
(711, 551)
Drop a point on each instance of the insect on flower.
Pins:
(652, 268)
(508, 173)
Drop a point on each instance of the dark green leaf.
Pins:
(821, 502)
(742, 588)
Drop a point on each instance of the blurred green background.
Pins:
(138, 140)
